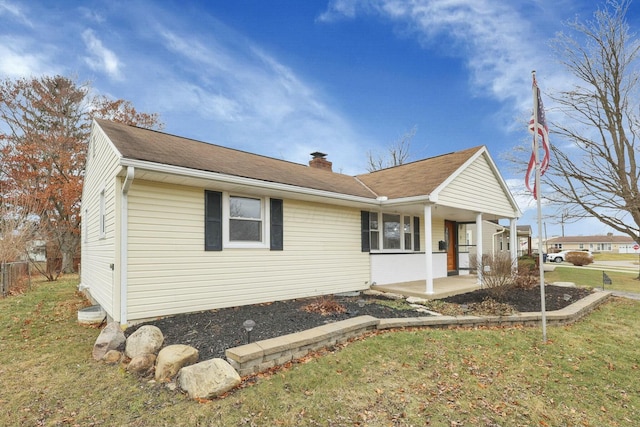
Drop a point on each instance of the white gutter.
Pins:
(239, 180)
(124, 237)
(493, 240)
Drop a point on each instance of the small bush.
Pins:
(498, 274)
(528, 276)
(579, 258)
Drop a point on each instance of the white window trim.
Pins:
(380, 231)
(264, 209)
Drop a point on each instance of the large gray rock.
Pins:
(110, 338)
(172, 358)
(146, 340)
(141, 364)
(208, 379)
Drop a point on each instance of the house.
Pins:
(173, 225)
(497, 238)
(601, 243)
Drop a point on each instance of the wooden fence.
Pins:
(13, 275)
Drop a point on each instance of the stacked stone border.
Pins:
(260, 356)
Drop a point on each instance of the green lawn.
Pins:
(606, 256)
(621, 281)
(586, 375)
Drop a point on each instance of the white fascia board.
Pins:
(249, 182)
(426, 199)
(517, 213)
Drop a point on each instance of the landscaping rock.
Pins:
(416, 300)
(208, 379)
(173, 358)
(141, 364)
(146, 340)
(111, 338)
(112, 357)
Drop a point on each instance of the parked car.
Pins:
(561, 256)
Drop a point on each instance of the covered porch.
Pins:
(442, 287)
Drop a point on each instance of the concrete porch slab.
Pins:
(442, 287)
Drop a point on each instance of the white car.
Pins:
(561, 256)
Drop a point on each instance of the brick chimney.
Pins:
(319, 161)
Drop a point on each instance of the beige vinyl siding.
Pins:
(99, 252)
(479, 190)
(437, 232)
(170, 272)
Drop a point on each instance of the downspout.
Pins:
(493, 240)
(124, 237)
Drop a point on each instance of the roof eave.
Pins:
(276, 187)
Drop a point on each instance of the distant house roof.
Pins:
(606, 238)
(418, 178)
(524, 230)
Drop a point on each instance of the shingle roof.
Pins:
(416, 178)
(411, 179)
(153, 146)
(592, 239)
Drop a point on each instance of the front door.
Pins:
(451, 239)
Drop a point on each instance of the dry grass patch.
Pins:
(585, 376)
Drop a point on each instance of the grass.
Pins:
(584, 376)
(607, 256)
(621, 281)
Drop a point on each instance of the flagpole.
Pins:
(539, 202)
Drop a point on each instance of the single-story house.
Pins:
(602, 243)
(173, 225)
(497, 238)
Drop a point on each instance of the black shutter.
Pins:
(416, 234)
(276, 241)
(364, 225)
(212, 221)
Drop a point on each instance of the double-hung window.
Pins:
(245, 219)
(237, 221)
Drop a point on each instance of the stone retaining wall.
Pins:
(263, 355)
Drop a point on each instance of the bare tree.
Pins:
(597, 174)
(397, 154)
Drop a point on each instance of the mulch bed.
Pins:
(214, 331)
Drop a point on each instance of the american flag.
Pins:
(543, 131)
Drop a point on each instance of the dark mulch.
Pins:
(523, 300)
(214, 331)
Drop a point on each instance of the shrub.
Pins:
(528, 276)
(579, 258)
(498, 274)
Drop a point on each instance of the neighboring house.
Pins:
(173, 225)
(604, 243)
(497, 238)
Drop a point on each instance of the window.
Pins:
(391, 230)
(242, 222)
(374, 230)
(408, 236)
(245, 219)
(395, 232)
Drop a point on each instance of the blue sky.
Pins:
(285, 78)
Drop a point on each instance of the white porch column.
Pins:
(513, 239)
(428, 249)
(479, 247)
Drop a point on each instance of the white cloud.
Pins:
(101, 59)
(252, 101)
(15, 11)
(18, 61)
